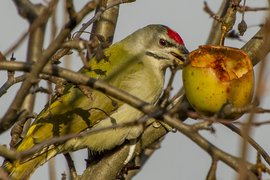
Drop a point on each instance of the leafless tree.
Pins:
(171, 113)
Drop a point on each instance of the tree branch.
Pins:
(71, 166)
(10, 82)
(110, 16)
(254, 46)
(215, 33)
(212, 150)
(78, 78)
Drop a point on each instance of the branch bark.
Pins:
(254, 46)
(106, 24)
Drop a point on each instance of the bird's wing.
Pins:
(77, 113)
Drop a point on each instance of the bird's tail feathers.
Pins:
(24, 169)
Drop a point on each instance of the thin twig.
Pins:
(63, 52)
(215, 33)
(252, 142)
(18, 128)
(10, 82)
(86, 91)
(41, 20)
(236, 130)
(71, 166)
(40, 89)
(98, 14)
(85, 63)
(212, 150)
(243, 8)
(166, 93)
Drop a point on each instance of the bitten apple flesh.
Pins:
(217, 74)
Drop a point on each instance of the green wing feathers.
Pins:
(77, 112)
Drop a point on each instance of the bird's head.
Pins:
(161, 46)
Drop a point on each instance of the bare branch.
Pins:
(3, 174)
(254, 46)
(85, 64)
(86, 91)
(262, 152)
(163, 101)
(52, 169)
(18, 128)
(77, 78)
(52, 79)
(9, 154)
(72, 169)
(40, 89)
(215, 33)
(241, 9)
(207, 146)
(2, 57)
(70, 9)
(212, 171)
(59, 55)
(10, 82)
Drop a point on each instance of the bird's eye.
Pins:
(162, 42)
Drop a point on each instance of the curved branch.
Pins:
(253, 143)
(78, 78)
(212, 150)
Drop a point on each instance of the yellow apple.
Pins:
(217, 74)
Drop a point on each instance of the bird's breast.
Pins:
(144, 84)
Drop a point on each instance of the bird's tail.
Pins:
(19, 170)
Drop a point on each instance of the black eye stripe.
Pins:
(156, 56)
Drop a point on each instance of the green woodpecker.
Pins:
(136, 65)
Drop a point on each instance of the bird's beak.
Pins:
(181, 54)
(181, 57)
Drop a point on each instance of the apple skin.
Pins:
(218, 74)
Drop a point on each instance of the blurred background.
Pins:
(178, 157)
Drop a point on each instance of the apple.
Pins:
(215, 75)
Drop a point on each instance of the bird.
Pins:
(136, 65)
